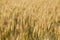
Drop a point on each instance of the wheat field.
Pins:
(29, 19)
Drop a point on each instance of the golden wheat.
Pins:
(29, 20)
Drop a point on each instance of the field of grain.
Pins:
(29, 19)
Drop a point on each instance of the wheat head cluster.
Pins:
(29, 19)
